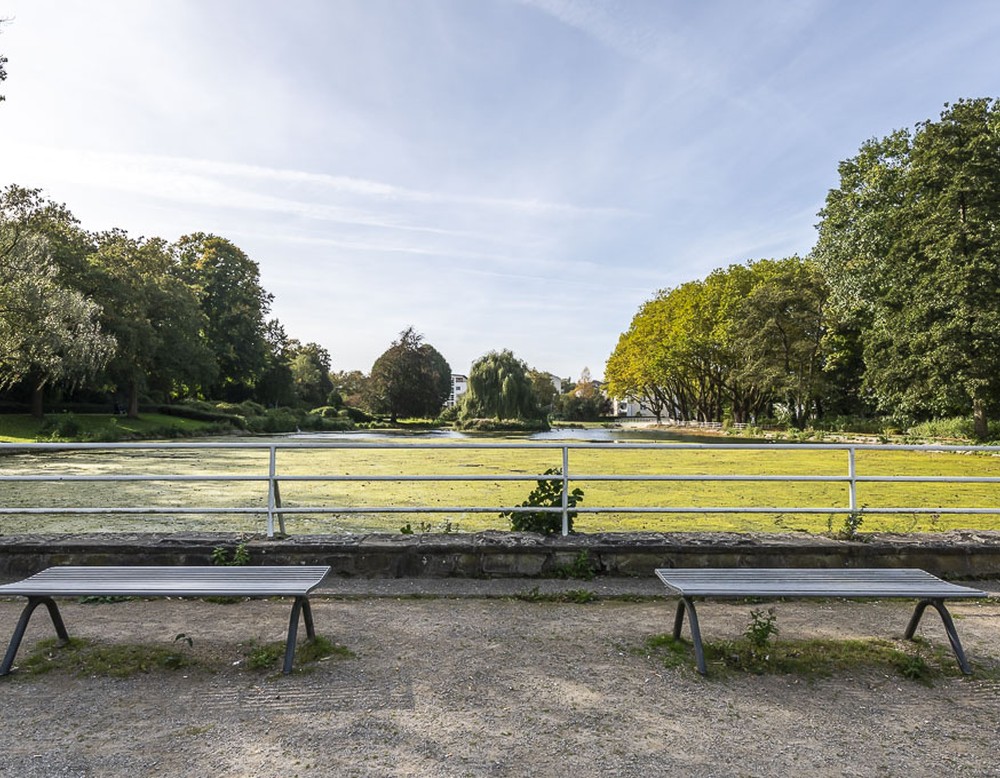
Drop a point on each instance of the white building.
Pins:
(459, 386)
(631, 409)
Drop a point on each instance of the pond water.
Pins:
(555, 435)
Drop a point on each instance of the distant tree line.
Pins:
(895, 312)
(88, 316)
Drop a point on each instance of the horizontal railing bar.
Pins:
(501, 477)
(75, 477)
(459, 444)
(375, 509)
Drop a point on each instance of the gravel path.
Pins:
(478, 686)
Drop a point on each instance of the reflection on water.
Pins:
(556, 435)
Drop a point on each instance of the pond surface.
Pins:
(555, 435)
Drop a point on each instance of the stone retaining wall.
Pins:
(957, 554)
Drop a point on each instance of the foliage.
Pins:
(86, 659)
(733, 345)
(502, 425)
(852, 525)
(269, 656)
(908, 245)
(310, 369)
(499, 388)
(236, 557)
(50, 332)
(227, 283)
(548, 493)
(153, 315)
(761, 629)
(584, 402)
(410, 378)
(580, 568)
(574, 596)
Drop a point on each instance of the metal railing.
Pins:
(24, 459)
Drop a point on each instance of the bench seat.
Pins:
(295, 581)
(775, 583)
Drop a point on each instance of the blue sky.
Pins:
(514, 174)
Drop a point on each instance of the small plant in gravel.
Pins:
(268, 656)
(761, 629)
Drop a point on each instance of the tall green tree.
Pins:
(152, 313)
(779, 328)
(543, 386)
(499, 388)
(276, 385)
(50, 332)
(352, 386)
(235, 305)
(310, 367)
(908, 242)
(410, 378)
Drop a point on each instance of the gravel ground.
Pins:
(484, 685)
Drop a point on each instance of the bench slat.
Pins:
(811, 582)
(172, 581)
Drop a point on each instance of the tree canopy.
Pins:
(499, 388)
(739, 342)
(410, 379)
(908, 243)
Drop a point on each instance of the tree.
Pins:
(779, 327)
(235, 305)
(310, 367)
(48, 334)
(544, 389)
(152, 313)
(908, 244)
(584, 401)
(499, 388)
(352, 386)
(49, 331)
(410, 378)
(276, 384)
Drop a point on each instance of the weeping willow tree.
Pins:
(499, 388)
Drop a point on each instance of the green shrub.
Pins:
(62, 426)
(547, 494)
(504, 425)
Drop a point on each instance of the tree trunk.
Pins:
(133, 400)
(980, 427)
(37, 401)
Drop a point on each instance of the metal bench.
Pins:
(269, 581)
(726, 583)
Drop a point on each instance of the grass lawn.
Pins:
(383, 462)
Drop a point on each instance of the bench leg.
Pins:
(949, 628)
(22, 625)
(687, 604)
(301, 605)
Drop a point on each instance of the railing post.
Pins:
(565, 490)
(273, 494)
(852, 473)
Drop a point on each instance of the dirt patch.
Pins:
(494, 687)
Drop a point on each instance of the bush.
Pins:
(504, 425)
(357, 415)
(547, 494)
(64, 425)
(201, 411)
